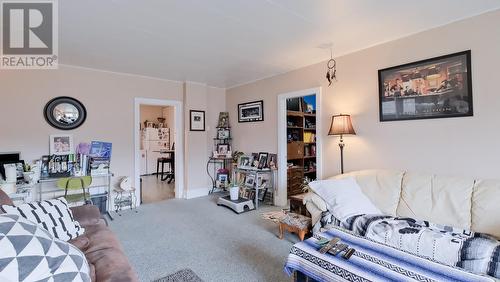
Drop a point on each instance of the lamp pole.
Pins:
(341, 146)
(341, 125)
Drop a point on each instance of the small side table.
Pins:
(125, 198)
(295, 223)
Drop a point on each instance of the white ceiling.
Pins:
(225, 43)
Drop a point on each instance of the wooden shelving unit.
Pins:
(301, 147)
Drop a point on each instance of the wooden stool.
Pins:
(295, 223)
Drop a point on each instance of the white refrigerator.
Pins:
(153, 141)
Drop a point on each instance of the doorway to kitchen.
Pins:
(158, 149)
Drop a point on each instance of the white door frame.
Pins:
(179, 141)
(281, 199)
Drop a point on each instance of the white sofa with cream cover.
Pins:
(456, 201)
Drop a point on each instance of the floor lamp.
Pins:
(341, 125)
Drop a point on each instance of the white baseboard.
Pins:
(197, 192)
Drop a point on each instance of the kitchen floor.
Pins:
(155, 190)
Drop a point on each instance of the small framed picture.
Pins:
(250, 180)
(244, 162)
(223, 120)
(263, 181)
(19, 166)
(223, 178)
(254, 159)
(272, 161)
(251, 195)
(243, 192)
(223, 149)
(263, 160)
(196, 120)
(61, 144)
(223, 133)
(251, 112)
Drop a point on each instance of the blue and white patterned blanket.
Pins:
(372, 261)
(476, 252)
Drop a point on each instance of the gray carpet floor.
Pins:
(216, 243)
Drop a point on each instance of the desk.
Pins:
(47, 188)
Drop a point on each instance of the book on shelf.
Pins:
(100, 149)
(309, 137)
(99, 166)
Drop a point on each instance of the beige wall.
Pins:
(150, 113)
(109, 99)
(455, 146)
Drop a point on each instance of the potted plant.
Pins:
(234, 190)
(28, 173)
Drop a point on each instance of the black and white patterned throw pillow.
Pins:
(30, 253)
(52, 215)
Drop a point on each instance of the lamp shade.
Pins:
(341, 124)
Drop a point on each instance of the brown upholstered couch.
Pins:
(101, 247)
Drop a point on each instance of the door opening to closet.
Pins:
(301, 142)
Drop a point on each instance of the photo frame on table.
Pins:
(223, 149)
(223, 133)
(196, 120)
(263, 160)
(223, 120)
(254, 159)
(263, 180)
(61, 144)
(251, 111)
(250, 180)
(247, 193)
(439, 87)
(243, 192)
(272, 161)
(251, 195)
(222, 177)
(19, 164)
(244, 162)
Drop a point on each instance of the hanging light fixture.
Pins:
(331, 72)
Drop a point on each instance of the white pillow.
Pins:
(343, 197)
(316, 200)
